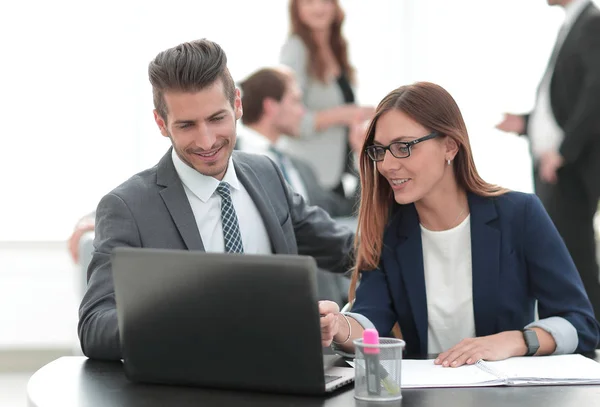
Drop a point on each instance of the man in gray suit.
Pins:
(201, 195)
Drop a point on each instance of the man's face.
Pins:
(290, 111)
(202, 127)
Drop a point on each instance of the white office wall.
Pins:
(76, 103)
(40, 292)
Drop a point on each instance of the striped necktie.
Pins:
(231, 228)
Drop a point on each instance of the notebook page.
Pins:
(423, 373)
(549, 369)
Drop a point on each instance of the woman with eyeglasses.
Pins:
(456, 263)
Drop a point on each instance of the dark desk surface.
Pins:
(77, 381)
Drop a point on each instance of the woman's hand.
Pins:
(493, 347)
(330, 324)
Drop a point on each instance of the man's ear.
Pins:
(237, 105)
(269, 104)
(161, 123)
(451, 148)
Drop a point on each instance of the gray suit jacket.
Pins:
(151, 210)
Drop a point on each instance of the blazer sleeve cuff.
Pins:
(362, 321)
(563, 332)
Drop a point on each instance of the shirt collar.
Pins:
(254, 142)
(201, 185)
(574, 9)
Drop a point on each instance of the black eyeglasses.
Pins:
(399, 149)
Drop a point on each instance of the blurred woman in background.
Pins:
(317, 51)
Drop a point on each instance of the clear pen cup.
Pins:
(377, 370)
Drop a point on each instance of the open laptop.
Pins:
(222, 320)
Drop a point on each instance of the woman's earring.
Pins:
(449, 161)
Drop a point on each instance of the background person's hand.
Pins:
(493, 347)
(351, 113)
(550, 162)
(366, 113)
(512, 123)
(330, 325)
(357, 135)
(81, 228)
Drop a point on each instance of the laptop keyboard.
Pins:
(330, 378)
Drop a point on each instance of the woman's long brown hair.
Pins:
(316, 64)
(435, 109)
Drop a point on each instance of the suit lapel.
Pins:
(409, 254)
(570, 40)
(259, 196)
(177, 203)
(485, 255)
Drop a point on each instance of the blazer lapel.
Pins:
(409, 254)
(560, 53)
(177, 203)
(485, 255)
(259, 196)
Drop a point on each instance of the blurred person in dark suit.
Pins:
(564, 134)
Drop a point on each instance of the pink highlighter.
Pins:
(372, 366)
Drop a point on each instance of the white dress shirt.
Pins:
(448, 286)
(255, 143)
(544, 133)
(206, 206)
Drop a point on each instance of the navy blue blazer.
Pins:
(517, 257)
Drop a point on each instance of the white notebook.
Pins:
(518, 371)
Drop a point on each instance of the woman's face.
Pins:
(318, 15)
(414, 177)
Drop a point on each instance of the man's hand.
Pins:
(550, 162)
(493, 347)
(512, 123)
(83, 226)
(330, 325)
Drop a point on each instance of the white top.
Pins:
(206, 206)
(448, 286)
(255, 143)
(544, 133)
